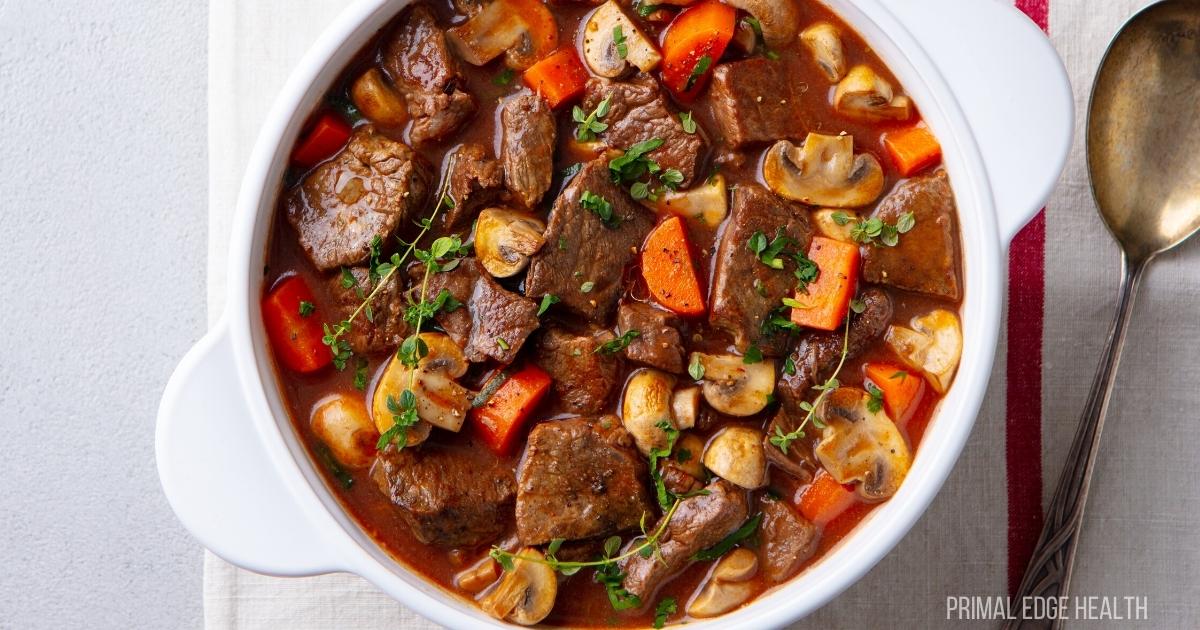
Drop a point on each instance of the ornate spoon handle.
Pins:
(1049, 571)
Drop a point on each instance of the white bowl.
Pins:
(986, 80)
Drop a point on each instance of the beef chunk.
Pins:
(460, 282)
(745, 290)
(583, 379)
(698, 523)
(365, 192)
(449, 497)
(659, 343)
(788, 539)
(492, 322)
(582, 252)
(638, 112)
(527, 147)
(677, 480)
(579, 480)
(816, 357)
(500, 322)
(926, 258)
(758, 100)
(386, 328)
(474, 180)
(419, 61)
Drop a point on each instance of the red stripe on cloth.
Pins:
(1023, 417)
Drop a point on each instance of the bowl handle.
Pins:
(216, 474)
(1013, 89)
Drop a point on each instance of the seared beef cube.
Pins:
(638, 112)
(788, 539)
(579, 479)
(658, 343)
(386, 328)
(584, 259)
(491, 321)
(746, 290)
(816, 357)
(460, 282)
(677, 480)
(527, 147)
(758, 100)
(501, 321)
(698, 523)
(926, 258)
(583, 379)
(449, 497)
(474, 180)
(419, 61)
(364, 193)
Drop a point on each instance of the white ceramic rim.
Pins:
(842, 566)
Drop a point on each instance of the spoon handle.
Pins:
(1049, 571)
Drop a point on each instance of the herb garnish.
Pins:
(600, 207)
(589, 124)
(869, 230)
(698, 71)
(696, 368)
(619, 40)
(753, 355)
(665, 608)
(505, 77)
(502, 343)
(742, 533)
(689, 122)
(644, 9)
(360, 374)
(618, 344)
(587, 287)
(548, 300)
(783, 441)
(772, 254)
(875, 398)
(656, 454)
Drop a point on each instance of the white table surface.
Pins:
(102, 212)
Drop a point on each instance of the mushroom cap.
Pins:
(824, 171)
(505, 239)
(866, 96)
(827, 224)
(525, 595)
(524, 31)
(780, 19)
(933, 345)
(860, 445)
(646, 403)
(600, 48)
(381, 103)
(729, 585)
(824, 42)
(341, 423)
(733, 386)
(441, 401)
(708, 202)
(736, 454)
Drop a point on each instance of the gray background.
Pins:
(102, 212)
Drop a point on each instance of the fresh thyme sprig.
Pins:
(783, 441)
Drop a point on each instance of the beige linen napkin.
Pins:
(1141, 539)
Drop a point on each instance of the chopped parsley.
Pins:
(689, 122)
(876, 231)
(589, 124)
(696, 368)
(587, 287)
(753, 355)
(620, 41)
(600, 207)
(716, 551)
(547, 301)
(619, 344)
(698, 71)
(505, 77)
(875, 400)
(665, 608)
(306, 308)
(502, 343)
(360, 374)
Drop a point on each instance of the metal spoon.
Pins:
(1142, 139)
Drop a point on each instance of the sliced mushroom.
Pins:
(735, 387)
(440, 400)
(342, 424)
(688, 451)
(525, 595)
(933, 345)
(523, 30)
(477, 577)
(646, 403)
(685, 407)
(605, 55)
(835, 224)
(505, 239)
(860, 445)
(824, 41)
(707, 203)
(866, 96)
(736, 455)
(728, 587)
(381, 103)
(780, 19)
(824, 171)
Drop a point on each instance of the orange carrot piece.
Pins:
(500, 419)
(693, 44)
(913, 149)
(669, 270)
(825, 499)
(902, 390)
(559, 78)
(824, 305)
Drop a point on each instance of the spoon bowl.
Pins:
(1143, 132)
(1143, 145)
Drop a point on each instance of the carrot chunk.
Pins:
(902, 390)
(559, 78)
(294, 328)
(669, 271)
(328, 135)
(824, 304)
(825, 499)
(500, 419)
(913, 149)
(693, 44)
